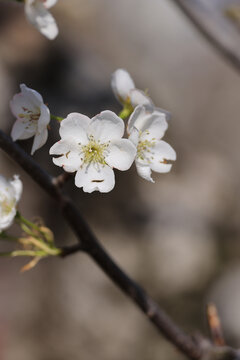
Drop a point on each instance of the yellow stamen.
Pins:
(94, 152)
(143, 147)
(29, 115)
(6, 206)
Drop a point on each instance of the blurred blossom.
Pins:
(32, 115)
(146, 127)
(38, 15)
(93, 147)
(124, 89)
(10, 193)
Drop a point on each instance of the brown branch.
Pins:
(205, 25)
(220, 353)
(89, 243)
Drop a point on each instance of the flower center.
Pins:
(30, 115)
(143, 148)
(94, 151)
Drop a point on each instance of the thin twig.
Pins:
(89, 243)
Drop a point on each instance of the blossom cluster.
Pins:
(92, 148)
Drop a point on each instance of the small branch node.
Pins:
(214, 325)
(61, 179)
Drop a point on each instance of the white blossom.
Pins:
(125, 91)
(33, 117)
(92, 148)
(10, 193)
(146, 127)
(38, 15)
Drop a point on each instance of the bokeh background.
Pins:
(179, 238)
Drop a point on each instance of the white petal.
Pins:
(16, 104)
(106, 126)
(27, 98)
(39, 140)
(75, 127)
(144, 117)
(62, 147)
(139, 117)
(160, 152)
(138, 97)
(70, 162)
(44, 118)
(22, 130)
(163, 111)
(17, 186)
(7, 192)
(34, 97)
(95, 177)
(160, 167)
(144, 171)
(155, 129)
(49, 3)
(40, 17)
(134, 136)
(48, 27)
(164, 150)
(121, 154)
(122, 83)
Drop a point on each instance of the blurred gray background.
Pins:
(179, 237)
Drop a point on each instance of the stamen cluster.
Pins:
(94, 151)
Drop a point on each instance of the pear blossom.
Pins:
(146, 127)
(92, 148)
(125, 91)
(10, 193)
(33, 117)
(38, 15)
